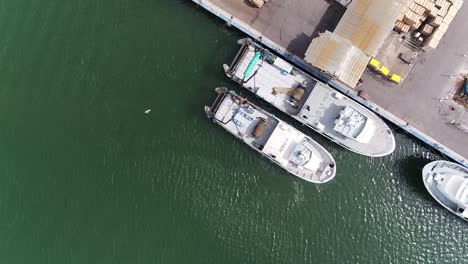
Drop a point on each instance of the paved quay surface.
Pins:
(423, 98)
(304, 19)
(291, 24)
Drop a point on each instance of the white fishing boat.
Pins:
(447, 182)
(310, 101)
(276, 140)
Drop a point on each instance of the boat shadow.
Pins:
(413, 166)
(411, 171)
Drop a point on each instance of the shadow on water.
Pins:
(411, 173)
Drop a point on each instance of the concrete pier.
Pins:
(419, 106)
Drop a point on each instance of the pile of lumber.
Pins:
(442, 21)
(431, 17)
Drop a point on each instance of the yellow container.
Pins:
(384, 71)
(395, 78)
(373, 63)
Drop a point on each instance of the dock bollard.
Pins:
(229, 23)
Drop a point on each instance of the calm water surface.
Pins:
(87, 177)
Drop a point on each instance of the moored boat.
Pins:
(447, 182)
(273, 138)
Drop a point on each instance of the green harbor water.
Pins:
(88, 177)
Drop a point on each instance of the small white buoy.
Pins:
(147, 111)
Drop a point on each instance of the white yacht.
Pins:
(447, 182)
(310, 101)
(273, 138)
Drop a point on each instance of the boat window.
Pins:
(301, 155)
(462, 193)
(350, 122)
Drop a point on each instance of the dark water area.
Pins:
(88, 177)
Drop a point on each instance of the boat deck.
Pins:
(325, 105)
(323, 168)
(241, 118)
(267, 76)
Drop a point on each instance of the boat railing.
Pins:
(217, 102)
(240, 54)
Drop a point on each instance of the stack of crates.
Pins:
(431, 17)
(445, 15)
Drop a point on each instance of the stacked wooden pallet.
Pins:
(431, 17)
(442, 21)
(401, 26)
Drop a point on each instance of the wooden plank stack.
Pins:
(400, 26)
(427, 30)
(436, 21)
(431, 17)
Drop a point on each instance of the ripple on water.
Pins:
(374, 206)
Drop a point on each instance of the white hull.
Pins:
(278, 141)
(435, 173)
